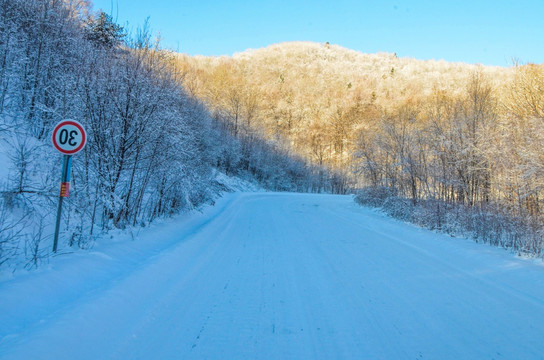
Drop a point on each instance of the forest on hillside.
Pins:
(153, 148)
(450, 146)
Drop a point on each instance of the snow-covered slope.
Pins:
(279, 276)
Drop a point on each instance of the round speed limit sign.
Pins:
(69, 137)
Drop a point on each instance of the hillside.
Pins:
(451, 146)
(317, 96)
(163, 128)
(382, 78)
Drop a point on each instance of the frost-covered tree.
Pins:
(103, 31)
(153, 147)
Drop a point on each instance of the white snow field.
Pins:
(278, 276)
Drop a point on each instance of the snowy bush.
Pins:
(375, 196)
(398, 208)
(430, 214)
(488, 223)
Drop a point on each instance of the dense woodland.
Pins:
(153, 148)
(450, 146)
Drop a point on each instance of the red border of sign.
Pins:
(83, 136)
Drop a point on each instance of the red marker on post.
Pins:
(69, 137)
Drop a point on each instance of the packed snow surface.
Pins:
(278, 276)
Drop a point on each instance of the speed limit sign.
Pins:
(69, 137)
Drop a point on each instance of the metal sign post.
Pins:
(69, 137)
(64, 192)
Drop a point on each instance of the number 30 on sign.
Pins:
(69, 137)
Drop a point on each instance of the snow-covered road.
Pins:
(280, 276)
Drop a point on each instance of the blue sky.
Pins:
(487, 32)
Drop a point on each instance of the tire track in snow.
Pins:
(276, 276)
